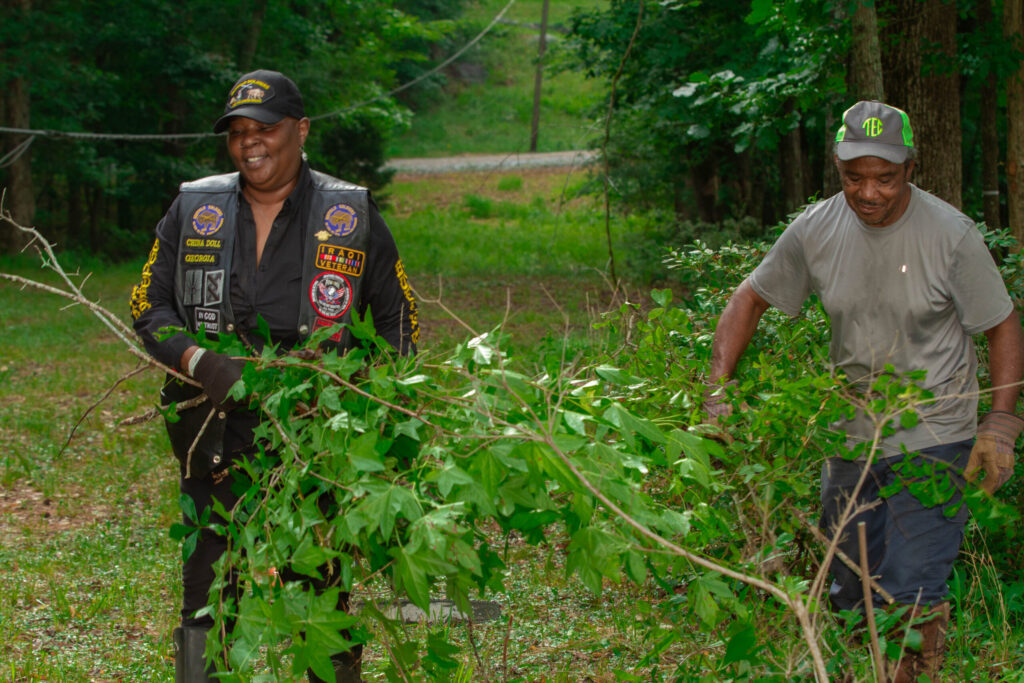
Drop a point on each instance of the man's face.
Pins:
(877, 190)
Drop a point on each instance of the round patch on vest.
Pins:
(341, 220)
(207, 219)
(330, 294)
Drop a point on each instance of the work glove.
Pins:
(218, 373)
(716, 409)
(716, 400)
(993, 450)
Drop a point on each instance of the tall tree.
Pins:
(1013, 29)
(864, 77)
(16, 109)
(919, 62)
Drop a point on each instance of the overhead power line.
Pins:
(15, 153)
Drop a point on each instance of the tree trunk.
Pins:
(989, 133)
(252, 37)
(1013, 25)
(864, 78)
(921, 32)
(20, 197)
(792, 168)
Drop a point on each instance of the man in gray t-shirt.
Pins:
(906, 280)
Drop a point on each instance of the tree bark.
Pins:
(919, 66)
(989, 133)
(1013, 26)
(792, 168)
(20, 196)
(864, 78)
(252, 38)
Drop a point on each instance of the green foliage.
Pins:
(706, 96)
(154, 67)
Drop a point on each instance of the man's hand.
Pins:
(993, 450)
(716, 400)
(218, 373)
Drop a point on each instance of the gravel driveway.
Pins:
(486, 162)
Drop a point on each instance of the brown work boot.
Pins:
(932, 622)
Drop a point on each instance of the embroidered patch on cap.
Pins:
(207, 219)
(330, 294)
(340, 220)
(340, 259)
(250, 91)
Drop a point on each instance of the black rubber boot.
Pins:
(189, 663)
(347, 667)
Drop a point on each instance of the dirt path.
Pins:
(485, 162)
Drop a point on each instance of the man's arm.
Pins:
(1006, 362)
(993, 449)
(736, 328)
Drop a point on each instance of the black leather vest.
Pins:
(333, 262)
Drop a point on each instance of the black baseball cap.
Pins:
(266, 96)
(873, 129)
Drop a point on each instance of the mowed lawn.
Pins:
(90, 574)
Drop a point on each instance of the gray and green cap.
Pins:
(874, 129)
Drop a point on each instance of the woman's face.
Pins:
(268, 155)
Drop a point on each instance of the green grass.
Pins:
(495, 116)
(91, 575)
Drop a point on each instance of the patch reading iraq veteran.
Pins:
(330, 294)
(341, 220)
(207, 219)
(340, 259)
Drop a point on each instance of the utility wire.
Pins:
(20, 149)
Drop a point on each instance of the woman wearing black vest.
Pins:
(278, 240)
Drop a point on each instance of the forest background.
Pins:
(713, 121)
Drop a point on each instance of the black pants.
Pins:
(197, 572)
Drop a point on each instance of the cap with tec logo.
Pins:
(874, 129)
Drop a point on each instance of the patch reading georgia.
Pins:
(340, 220)
(321, 322)
(340, 259)
(203, 257)
(207, 219)
(330, 294)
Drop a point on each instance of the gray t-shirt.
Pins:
(910, 294)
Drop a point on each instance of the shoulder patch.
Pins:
(341, 220)
(207, 219)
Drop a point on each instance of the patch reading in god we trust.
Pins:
(341, 220)
(340, 259)
(207, 219)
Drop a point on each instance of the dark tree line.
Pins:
(159, 67)
(728, 109)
